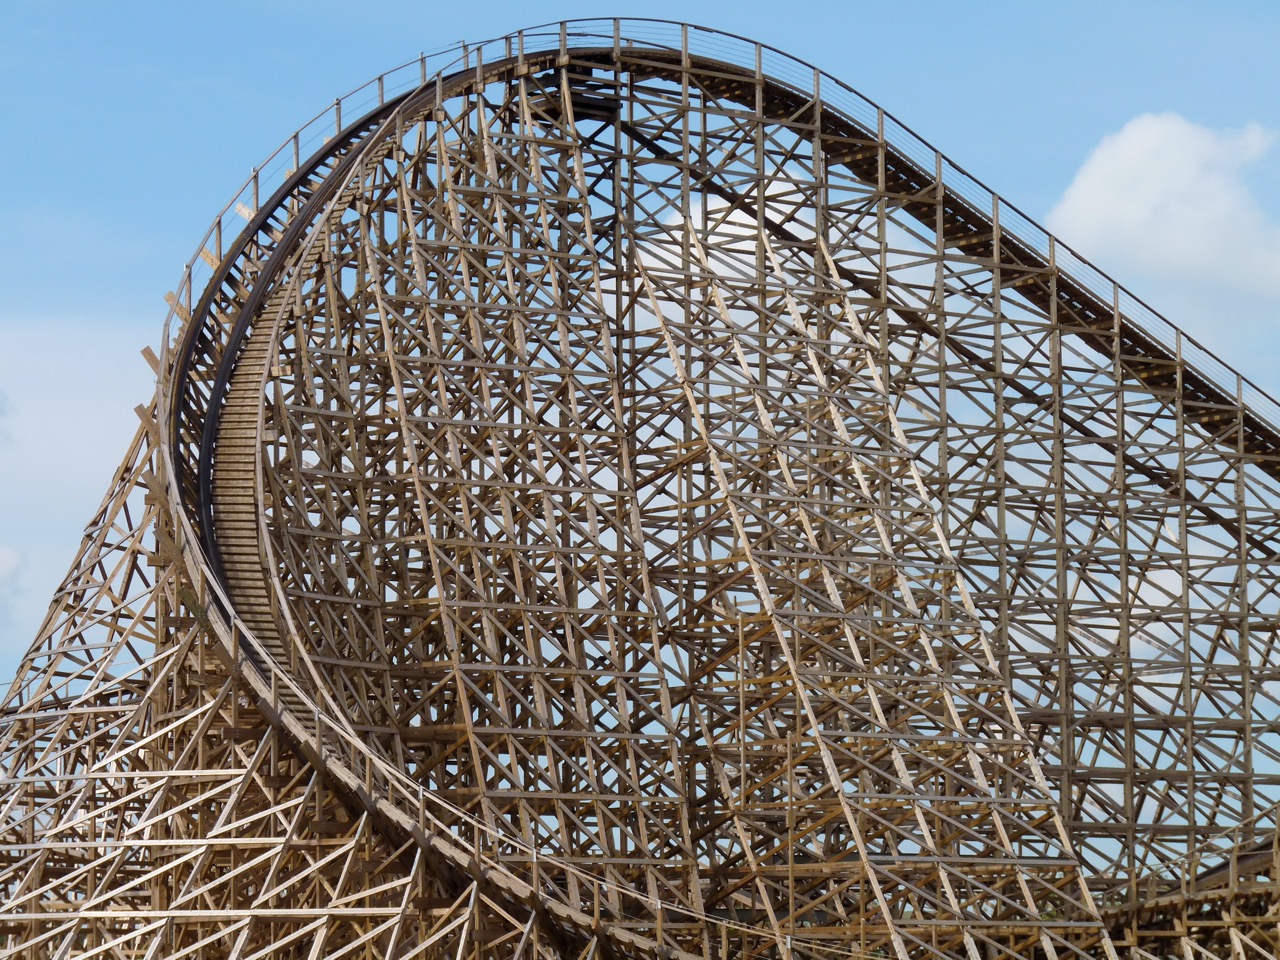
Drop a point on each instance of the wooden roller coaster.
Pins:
(612, 491)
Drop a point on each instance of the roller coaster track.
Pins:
(571, 494)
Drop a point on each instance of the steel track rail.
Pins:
(262, 220)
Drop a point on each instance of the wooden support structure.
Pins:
(623, 495)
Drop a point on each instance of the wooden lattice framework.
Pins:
(621, 494)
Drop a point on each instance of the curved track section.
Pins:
(598, 624)
(625, 496)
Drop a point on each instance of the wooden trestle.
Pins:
(623, 495)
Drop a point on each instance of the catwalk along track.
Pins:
(613, 491)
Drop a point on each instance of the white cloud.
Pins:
(8, 563)
(1165, 206)
(1168, 197)
(70, 388)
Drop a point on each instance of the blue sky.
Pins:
(1145, 132)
